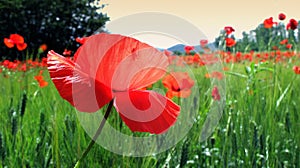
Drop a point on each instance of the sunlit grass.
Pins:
(259, 126)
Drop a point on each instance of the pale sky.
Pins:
(208, 16)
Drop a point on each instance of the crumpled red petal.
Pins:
(75, 85)
(146, 111)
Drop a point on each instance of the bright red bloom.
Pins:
(215, 93)
(114, 67)
(230, 42)
(281, 16)
(188, 49)
(284, 41)
(15, 39)
(228, 30)
(43, 48)
(203, 43)
(296, 69)
(289, 46)
(268, 23)
(179, 84)
(40, 79)
(293, 24)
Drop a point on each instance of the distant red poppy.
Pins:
(203, 43)
(284, 41)
(228, 30)
(289, 46)
(230, 42)
(296, 69)
(281, 16)
(111, 67)
(179, 84)
(293, 24)
(268, 23)
(40, 79)
(188, 49)
(15, 39)
(215, 93)
(43, 48)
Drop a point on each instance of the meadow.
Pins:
(252, 87)
(258, 128)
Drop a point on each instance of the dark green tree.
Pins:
(52, 22)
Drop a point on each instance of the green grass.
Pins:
(259, 126)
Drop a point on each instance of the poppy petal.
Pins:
(16, 38)
(146, 111)
(21, 46)
(75, 86)
(146, 67)
(92, 52)
(147, 64)
(9, 43)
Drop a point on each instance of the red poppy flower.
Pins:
(15, 39)
(228, 30)
(230, 42)
(281, 16)
(289, 46)
(179, 84)
(215, 94)
(43, 48)
(296, 69)
(114, 67)
(293, 24)
(203, 43)
(268, 23)
(188, 49)
(40, 79)
(284, 41)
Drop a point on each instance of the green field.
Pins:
(259, 127)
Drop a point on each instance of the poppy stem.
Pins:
(98, 132)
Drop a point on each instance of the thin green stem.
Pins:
(98, 132)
